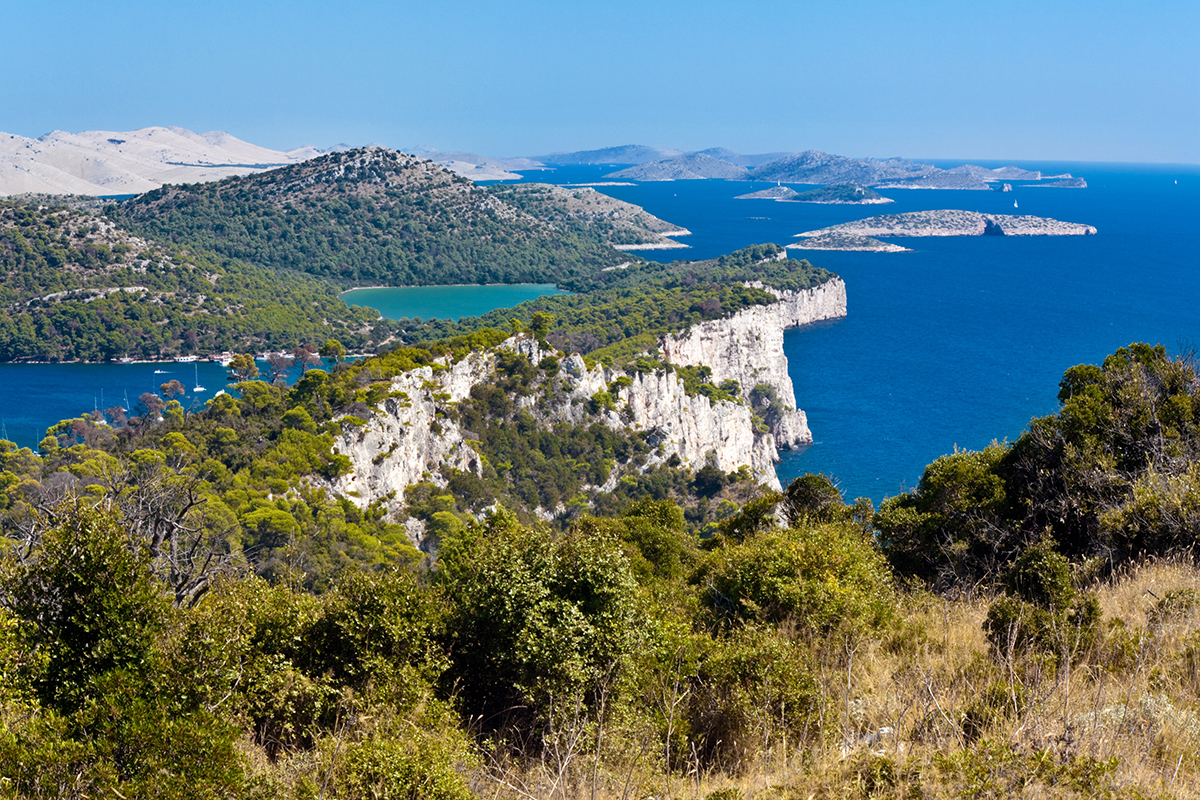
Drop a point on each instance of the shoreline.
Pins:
(448, 286)
(658, 246)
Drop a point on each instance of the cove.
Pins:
(446, 302)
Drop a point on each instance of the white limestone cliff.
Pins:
(410, 438)
(748, 348)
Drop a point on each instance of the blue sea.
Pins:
(955, 345)
(965, 340)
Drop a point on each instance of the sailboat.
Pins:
(1014, 203)
(198, 387)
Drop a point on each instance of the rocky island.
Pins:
(836, 194)
(782, 193)
(849, 242)
(950, 222)
(693, 166)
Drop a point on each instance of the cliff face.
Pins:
(748, 348)
(410, 439)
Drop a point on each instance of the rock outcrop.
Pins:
(410, 437)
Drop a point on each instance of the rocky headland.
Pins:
(1062, 183)
(955, 223)
(623, 225)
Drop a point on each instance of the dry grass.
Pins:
(930, 712)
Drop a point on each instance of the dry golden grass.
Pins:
(930, 712)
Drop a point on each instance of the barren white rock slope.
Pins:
(129, 162)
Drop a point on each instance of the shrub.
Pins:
(1041, 611)
(750, 682)
(821, 578)
(534, 618)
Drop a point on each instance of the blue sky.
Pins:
(1013, 80)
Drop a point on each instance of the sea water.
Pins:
(965, 340)
(954, 345)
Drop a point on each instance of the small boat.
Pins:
(1014, 204)
(161, 372)
(123, 360)
(186, 359)
(198, 387)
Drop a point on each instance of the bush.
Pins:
(753, 680)
(1042, 612)
(90, 603)
(534, 618)
(820, 578)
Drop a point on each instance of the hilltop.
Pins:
(622, 154)
(369, 216)
(220, 266)
(694, 166)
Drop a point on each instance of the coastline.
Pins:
(658, 246)
(444, 286)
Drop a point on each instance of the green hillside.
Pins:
(187, 611)
(73, 285)
(369, 216)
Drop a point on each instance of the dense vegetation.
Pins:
(73, 286)
(369, 216)
(188, 612)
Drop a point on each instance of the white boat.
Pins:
(198, 387)
(1014, 203)
(186, 359)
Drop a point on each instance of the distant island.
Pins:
(847, 241)
(837, 194)
(954, 223)
(1066, 182)
(693, 166)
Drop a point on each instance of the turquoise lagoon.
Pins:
(446, 302)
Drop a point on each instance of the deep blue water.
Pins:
(957, 344)
(34, 397)
(965, 340)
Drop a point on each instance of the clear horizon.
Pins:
(1052, 81)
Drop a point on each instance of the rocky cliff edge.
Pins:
(411, 438)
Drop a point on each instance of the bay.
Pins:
(446, 302)
(34, 397)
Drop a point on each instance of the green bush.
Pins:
(820, 578)
(534, 618)
(749, 682)
(1042, 612)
